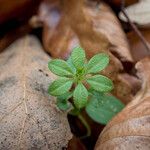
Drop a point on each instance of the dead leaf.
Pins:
(9, 37)
(29, 118)
(17, 10)
(130, 129)
(139, 13)
(75, 144)
(117, 3)
(138, 50)
(97, 28)
(58, 38)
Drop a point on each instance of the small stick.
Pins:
(134, 27)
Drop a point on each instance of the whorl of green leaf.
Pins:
(60, 67)
(78, 57)
(80, 96)
(60, 86)
(100, 83)
(101, 108)
(97, 63)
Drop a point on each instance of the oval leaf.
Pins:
(60, 67)
(78, 57)
(63, 104)
(101, 108)
(60, 86)
(80, 96)
(100, 83)
(97, 63)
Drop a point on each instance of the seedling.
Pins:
(81, 86)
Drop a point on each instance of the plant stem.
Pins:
(84, 122)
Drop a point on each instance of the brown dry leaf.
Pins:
(10, 36)
(29, 118)
(117, 3)
(97, 28)
(138, 13)
(58, 38)
(130, 129)
(75, 144)
(138, 50)
(17, 9)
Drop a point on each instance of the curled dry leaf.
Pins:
(9, 37)
(97, 28)
(58, 37)
(138, 13)
(130, 129)
(28, 117)
(75, 144)
(138, 49)
(16, 9)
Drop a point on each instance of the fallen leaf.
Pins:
(139, 13)
(16, 9)
(29, 118)
(58, 37)
(130, 129)
(97, 28)
(75, 144)
(117, 3)
(9, 37)
(138, 49)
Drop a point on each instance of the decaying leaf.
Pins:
(130, 129)
(29, 118)
(16, 9)
(97, 28)
(9, 37)
(138, 49)
(138, 13)
(58, 37)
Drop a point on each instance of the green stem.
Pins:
(84, 122)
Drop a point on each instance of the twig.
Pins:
(134, 27)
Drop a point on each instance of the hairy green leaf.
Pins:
(80, 96)
(70, 63)
(60, 67)
(65, 96)
(63, 104)
(100, 83)
(78, 57)
(97, 63)
(62, 101)
(60, 86)
(101, 108)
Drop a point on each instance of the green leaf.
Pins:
(78, 57)
(63, 104)
(100, 83)
(70, 63)
(101, 108)
(60, 86)
(62, 101)
(97, 63)
(75, 112)
(65, 96)
(60, 67)
(80, 96)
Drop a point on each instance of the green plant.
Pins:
(81, 86)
